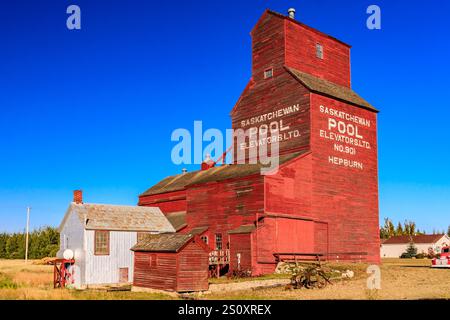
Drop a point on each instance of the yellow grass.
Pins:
(36, 282)
(400, 279)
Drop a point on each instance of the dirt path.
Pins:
(400, 279)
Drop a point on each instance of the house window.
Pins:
(101, 245)
(204, 239)
(319, 51)
(268, 73)
(218, 241)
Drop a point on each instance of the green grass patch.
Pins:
(6, 282)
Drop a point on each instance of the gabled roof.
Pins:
(287, 18)
(330, 89)
(426, 238)
(119, 218)
(220, 173)
(169, 242)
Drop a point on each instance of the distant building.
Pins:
(101, 236)
(395, 246)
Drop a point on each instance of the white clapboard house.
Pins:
(100, 238)
(395, 246)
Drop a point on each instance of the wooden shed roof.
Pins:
(170, 242)
(330, 89)
(119, 218)
(220, 173)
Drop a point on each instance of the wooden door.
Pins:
(123, 275)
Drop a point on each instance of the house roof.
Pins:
(163, 242)
(177, 219)
(330, 89)
(220, 173)
(426, 238)
(119, 218)
(247, 228)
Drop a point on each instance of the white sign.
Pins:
(345, 131)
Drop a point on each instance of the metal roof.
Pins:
(330, 89)
(220, 173)
(119, 218)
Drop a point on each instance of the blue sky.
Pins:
(95, 108)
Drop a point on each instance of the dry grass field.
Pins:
(401, 279)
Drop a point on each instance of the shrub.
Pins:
(6, 282)
(411, 252)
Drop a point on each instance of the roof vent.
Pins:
(184, 170)
(291, 12)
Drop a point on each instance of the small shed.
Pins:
(171, 262)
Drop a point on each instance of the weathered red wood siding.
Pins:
(241, 244)
(346, 198)
(224, 205)
(192, 268)
(162, 276)
(268, 46)
(281, 235)
(264, 96)
(167, 202)
(279, 93)
(301, 54)
(183, 271)
(278, 41)
(289, 190)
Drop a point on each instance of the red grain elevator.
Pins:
(323, 200)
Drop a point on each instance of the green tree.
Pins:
(411, 251)
(3, 238)
(43, 243)
(399, 231)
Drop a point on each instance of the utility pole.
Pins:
(28, 227)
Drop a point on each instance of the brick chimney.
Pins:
(78, 196)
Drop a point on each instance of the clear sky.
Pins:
(95, 108)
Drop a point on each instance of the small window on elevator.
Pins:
(319, 51)
(268, 73)
(218, 241)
